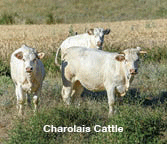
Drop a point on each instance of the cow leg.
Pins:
(111, 100)
(67, 85)
(28, 100)
(77, 91)
(66, 94)
(20, 99)
(36, 99)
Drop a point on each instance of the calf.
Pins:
(27, 72)
(92, 39)
(97, 70)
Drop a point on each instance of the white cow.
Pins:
(92, 39)
(98, 70)
(27, 72)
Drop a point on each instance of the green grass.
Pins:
(7, 18)
(4, 68)
(80, 11)
(32, 132)
(142, 115)
(140, 125)
(157, 54)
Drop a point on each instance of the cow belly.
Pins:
(91, 80)
(90, 85)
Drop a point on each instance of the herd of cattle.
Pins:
(83, 64)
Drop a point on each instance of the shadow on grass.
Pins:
(98, 96)
(133, 97)
(156, 100)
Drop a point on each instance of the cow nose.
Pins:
(99, 43)
(133, 71)
(29, 69)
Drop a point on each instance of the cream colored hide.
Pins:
(27, 72)
(97, 70)
(92, 39)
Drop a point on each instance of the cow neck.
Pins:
(92, 43)
(127, 74)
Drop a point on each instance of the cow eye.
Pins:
(34, 60)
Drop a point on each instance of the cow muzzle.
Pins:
(29, 69)
(133, 71)
(99, 44)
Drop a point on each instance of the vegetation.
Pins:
(141, 125)
(143, 114)
(79, 11)
(4, 69)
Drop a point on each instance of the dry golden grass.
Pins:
(47, 38)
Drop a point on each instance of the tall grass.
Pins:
(81, 11)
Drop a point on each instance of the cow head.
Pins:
(130, 57)
(98, 34)
(29, 57)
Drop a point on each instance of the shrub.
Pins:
(4, 69)
(71, 31)
(50, 19)
(7, 19)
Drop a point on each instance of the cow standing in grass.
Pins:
(27, 72)
(98, 70)
(92, 39)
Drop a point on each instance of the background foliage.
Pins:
(79, 11)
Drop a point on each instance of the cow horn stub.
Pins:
(143, 52)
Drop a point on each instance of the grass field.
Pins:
(143, 114)
(79, 11)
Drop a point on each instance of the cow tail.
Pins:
(56, 62)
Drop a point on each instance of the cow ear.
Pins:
(120, 58)
(90, 31)
(23, 46)
(140, 51)
(106, 32)
(19, 55)
(41, 55)
(138, 48)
